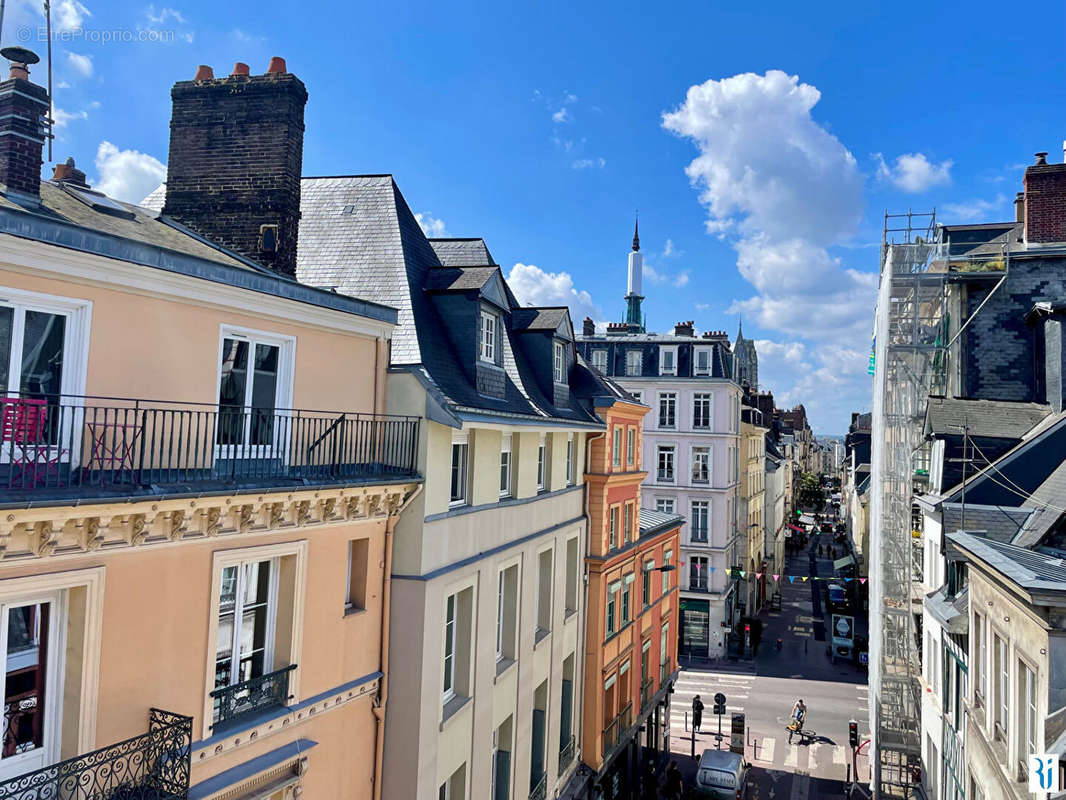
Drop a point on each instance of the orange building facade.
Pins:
(631, 635)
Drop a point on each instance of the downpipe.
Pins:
(386, 602)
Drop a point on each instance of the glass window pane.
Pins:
(264, 393)
(7, 325)
(232, 389)
(42, 353)
(24, 681)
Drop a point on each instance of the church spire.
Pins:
(636, 235)
(634, 295)
(740, 329)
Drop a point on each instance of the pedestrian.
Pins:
(674, 784)
(697, 713)
(819, 551)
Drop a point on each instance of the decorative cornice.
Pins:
(56, 531)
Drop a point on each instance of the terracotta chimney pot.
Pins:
(277, 65)
(240, 68)
(204, 73)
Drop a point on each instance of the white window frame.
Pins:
(449, 637)
(613, 515)
(695, 455)
(283, 394)
(704, 575)
(661, 501)
(488, 344)
(269, 663)
(500, 608)
(668, 556)
(505, 465)
(631, 446)
(77, 327)
(696, 353)
(460, 439)
(616, 446)
(704, 505)
(660, 450)
(638, 395)
(558, 362)
(611, 608)
(634, 367)
(699, 398)
(670, 398)
(599, 360)
(569, 459)
(542, 463)
(229, 558)
(626, 615)
(664, 351)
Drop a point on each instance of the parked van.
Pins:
(722, 775)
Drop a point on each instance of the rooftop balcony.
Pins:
(55, 448)
(152, 766)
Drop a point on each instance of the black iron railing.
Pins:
(665, 672)
(612, 734)
(251, 697)
(152, 766)
(645, 694)
(120, 445)
(566, 754)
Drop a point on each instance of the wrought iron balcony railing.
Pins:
(152, 766)
(665, 671)
(539, 789)
(645, 694)
(566, 754)
(254, 696)
(71, 444)
(612, 734)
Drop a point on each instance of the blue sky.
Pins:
(761, 142)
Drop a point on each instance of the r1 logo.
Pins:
(1043, 772)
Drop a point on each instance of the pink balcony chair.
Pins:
(23, 426)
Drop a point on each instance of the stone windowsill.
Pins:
(539, 636)
(453, 707)
(503, 666)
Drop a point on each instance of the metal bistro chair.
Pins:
(23, 435)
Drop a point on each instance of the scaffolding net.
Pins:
(909, 355)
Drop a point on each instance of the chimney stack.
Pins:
(588, 327)
(24, 109)
(684, 328)
(236, 159)
(1019, 207)
(1045, 201)
(69, 174)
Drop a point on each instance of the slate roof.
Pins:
(539, 319)
(993, 418)
(1031, 570)
(462, 252)
(359, 237)
(1000, 523)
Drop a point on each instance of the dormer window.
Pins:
(488, 337)
(599, 360)
(702, 361)
(633, 363)
(667, 360)
(559, 363)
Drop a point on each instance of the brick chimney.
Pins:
(1045, 201)
(24, 107)
(588, 327)
(684, 328)
(68, 173)
(236, 158)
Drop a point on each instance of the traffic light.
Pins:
(853, 733)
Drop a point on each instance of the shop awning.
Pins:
(797, 528)
(807, 519)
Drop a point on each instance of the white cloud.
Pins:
(69, 15)
(533, 286)
(783, 190)
(562, 115)
(973, 210)
(702, 306)
(431, 226)
(589, 163)
(913, 172)
(127, 174)
(668, 249)
(62, 85)
(81, 64)
(64, 118)
(163, 15)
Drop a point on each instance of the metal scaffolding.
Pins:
(909, 353)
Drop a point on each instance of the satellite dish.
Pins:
(20, 55)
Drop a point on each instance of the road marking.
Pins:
(766, 751)
(792, 757)
(812, 758)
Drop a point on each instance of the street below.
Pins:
(766, 686)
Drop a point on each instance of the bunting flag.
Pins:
(862, 580)
(791, 578)
(776, 576)
(847, 580)
(742, 573)
(713, 569)
(804, 578)
(758, 576)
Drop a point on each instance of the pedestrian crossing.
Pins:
(765, 752)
